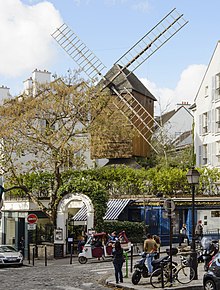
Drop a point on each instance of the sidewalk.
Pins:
(144, 283)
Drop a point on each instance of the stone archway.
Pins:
(62, 211)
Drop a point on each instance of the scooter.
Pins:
(210, 249)
(209, 253)
(141, 269)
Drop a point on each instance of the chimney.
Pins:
(183, 104)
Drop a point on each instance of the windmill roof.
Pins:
(128, 80)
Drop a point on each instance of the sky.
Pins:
(109, 28)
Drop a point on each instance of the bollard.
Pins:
(33, 253)
(45, 255)
(29, 256)
(162, 281)
(71, 253)
(126, 265)
(132, 247)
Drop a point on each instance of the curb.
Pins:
(126, 287)
(129, 286)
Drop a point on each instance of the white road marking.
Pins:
(95, 270)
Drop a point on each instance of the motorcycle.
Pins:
(141, 269)
(210, 249)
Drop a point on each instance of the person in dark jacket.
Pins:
(118, 260)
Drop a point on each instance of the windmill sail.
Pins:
(135, 112)
(79, 52)
(152, 41)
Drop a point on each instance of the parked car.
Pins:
(10, 256)
(211, 279)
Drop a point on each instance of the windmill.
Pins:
(138, 114)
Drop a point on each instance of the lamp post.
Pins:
(193, 179)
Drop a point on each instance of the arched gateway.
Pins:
(73, 200)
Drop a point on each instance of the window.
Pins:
(218, 148)
(217, 86)
(205, 154)
(215, 213)
(217, 119)
(205, 123)
(206, 91)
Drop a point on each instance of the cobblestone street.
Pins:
(59, 274)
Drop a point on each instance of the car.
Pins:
(211, 279)
(10, 256)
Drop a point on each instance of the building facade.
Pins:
(206, 112)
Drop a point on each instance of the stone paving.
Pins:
(61, 275)
(57, 275)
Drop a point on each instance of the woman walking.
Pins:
(118, 260)
(183, 235)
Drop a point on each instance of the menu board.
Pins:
(58, 250)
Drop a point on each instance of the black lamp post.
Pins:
(193, 179)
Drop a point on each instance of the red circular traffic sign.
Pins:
(32, 218)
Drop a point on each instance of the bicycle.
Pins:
(182, 273)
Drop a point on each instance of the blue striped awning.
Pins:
(114, 208)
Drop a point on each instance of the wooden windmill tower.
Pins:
(131, 97)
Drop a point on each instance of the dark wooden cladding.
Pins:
(105, 147)
(112, 144)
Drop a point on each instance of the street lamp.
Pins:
(193, 179)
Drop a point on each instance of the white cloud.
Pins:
(142, 6)
(185, 90)
(26, 41)
(77, 2)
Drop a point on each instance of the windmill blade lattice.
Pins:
(79, 52)
(139, 117)
(135, 112)
(152, 41)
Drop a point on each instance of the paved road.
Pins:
(61, 275)
(58, 275)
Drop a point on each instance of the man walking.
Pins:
(150, 248)
(199, 230)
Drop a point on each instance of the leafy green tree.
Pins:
(46, 130)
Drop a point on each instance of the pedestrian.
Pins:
(158, 242)
(150, 248)
(81, 244)
(22, 245)
(199, 230)
(112, 238)
(183, 237)
(118, 260)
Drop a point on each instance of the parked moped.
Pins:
(210, 249)
(141, 269)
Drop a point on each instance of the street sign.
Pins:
(169, 205)
(32, 227)
(166, 215)
(32, 218)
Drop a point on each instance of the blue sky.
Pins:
(109, 28)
